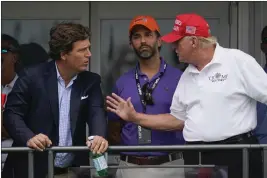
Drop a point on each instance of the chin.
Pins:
(146, 58)
(82, 69)
(181, 60)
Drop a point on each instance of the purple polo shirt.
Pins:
(126, 87)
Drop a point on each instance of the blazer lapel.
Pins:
(52, 90)
(75, 102)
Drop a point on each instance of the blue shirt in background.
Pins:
(261, 129)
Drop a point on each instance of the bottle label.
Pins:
(100, 163)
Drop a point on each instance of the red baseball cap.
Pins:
(146, 21)
(188, 25)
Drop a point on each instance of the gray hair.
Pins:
(205, 42)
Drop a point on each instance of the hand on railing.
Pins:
(39, 142)
(97, 145)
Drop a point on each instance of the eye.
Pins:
(136, 37)
(83, 49)
(149, 34)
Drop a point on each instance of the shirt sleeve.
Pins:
(178, 109)
(111, 115)
(254, 79)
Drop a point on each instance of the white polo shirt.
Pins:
(219, 101)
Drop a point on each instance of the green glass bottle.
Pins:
(99, 162)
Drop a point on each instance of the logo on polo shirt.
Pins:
(218, 77)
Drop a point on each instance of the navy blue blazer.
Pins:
(32, 108)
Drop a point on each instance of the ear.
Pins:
(159, 42)
(194, 42)
(264, 48)
(15, 58)
(130, 44)
(63, 56)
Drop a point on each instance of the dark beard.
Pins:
(146, 54)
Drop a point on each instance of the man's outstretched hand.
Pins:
(124, 109)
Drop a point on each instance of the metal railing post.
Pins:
(50, 164)
(264, 166)
(199, 157)
(106, 156)
(30, 164)
(245, 163)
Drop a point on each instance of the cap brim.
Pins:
(171, 37)
(141, 24)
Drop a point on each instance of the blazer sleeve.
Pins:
(97, 120)
(16, 109)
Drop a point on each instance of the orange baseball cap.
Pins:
(147, 21)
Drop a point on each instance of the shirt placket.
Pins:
(64, 125)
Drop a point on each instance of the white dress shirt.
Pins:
(219, 101)
(7, 88)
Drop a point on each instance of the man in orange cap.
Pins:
(214, 102)
(151, 85)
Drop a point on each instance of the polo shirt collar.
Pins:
(161, 69)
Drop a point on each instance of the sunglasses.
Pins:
(147, 95)
(3, 51)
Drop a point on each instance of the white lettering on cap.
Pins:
(176, 28)
(143, 19)
(178, 22)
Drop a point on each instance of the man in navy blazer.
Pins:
(51, 103)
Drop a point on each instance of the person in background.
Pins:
(50, 105)
(261, 129)
(32, 54)
(9, 62)
(151, 85)
(214, 102)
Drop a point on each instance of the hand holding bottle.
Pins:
(97, 144)
(99, 160)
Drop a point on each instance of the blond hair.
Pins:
(205, 42)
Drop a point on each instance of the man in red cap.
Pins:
(151, 85)
(214, 102)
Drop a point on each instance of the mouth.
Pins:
(144, 48)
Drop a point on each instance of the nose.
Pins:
(88, 53)
(143, 40)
